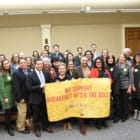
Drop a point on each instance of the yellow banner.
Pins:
(83, 98)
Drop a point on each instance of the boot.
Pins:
(138, 118)
(103, 123)
(11, 132)
(135, 114)
(83, 130)
(98, 124)
(65, 126)
(82, 126)
(69, 125)
(116, 119)
(9, 128)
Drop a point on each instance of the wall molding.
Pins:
(46, 34)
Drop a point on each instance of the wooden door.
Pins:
(132, 39)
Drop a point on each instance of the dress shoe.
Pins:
(82, 130)
(98, 124)
(123, 119)
(135, 117)
(11, 132)
(115, 120)
(24, 132)
(49, 130)
(37, 133)
(138, 116)
(104, 124)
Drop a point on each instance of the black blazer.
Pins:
(33, 86)
(19, 85)
(116, 83)
(92, 64)
(59, 56)
(77, 61)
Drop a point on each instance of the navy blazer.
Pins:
(59, 56)
(33, 86)
(77, 61)
(19, 85)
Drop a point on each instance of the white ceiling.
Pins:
(67, 6)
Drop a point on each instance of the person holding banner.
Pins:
(82, 71)
(63, 76)
(35, 83)
(99, 71)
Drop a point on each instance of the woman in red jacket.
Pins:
(99, 71)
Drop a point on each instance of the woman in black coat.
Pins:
(136, 85)
(111, 66)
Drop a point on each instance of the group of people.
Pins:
(22, 82)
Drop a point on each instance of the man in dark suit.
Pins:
(82, 71)
(57, 53)
(94, 51)
(21, 94)
(35, 83)
(77, 58)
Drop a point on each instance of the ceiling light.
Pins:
(88, 8)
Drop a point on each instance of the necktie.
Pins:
(25, 71)
(80, 57)
(41, 77)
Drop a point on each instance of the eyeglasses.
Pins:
(15, 56)
(22, 62)
(98, 62)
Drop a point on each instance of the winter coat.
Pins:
(6, 91)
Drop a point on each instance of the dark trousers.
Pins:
(82, 122)
(100, 122)
(44, 114)
(67, 120)
(39, 114)
(29, 111)
(123, 103)
(136, 102)
(111, 108)
(8, 119)
(36, 116)
(116, 106)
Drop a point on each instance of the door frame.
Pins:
(123, 32)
